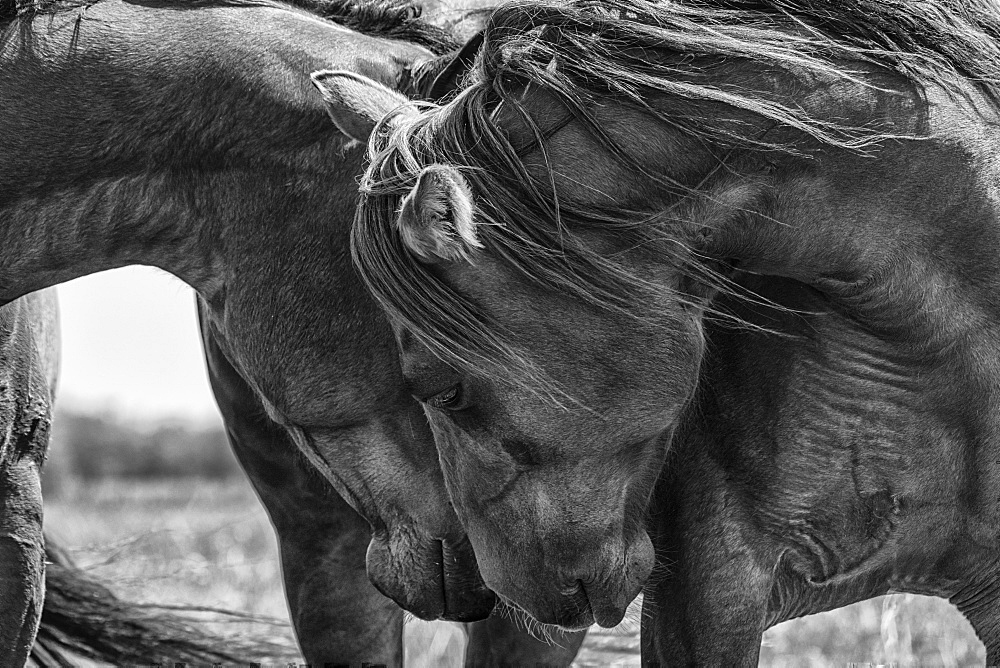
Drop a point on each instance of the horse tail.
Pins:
(83, 618)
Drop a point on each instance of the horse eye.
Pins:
(451, 399)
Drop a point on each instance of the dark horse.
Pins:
(562, 247)
(188, 136)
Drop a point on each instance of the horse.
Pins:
(188, 136)
(561, 250)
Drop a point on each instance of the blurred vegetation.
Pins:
(201, 542)
(87, 447)
(210, 543)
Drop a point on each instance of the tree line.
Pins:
(89, 446)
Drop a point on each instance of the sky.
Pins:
(130, 346)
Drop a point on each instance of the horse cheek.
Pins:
(461, 458)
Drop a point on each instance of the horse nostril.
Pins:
(581, 602)
(574, 611)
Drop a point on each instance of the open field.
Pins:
(209, 543)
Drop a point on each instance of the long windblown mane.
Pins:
(394, 19)
(582, 51)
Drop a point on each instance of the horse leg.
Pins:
(22, 560)
(707, 600)
(683, 626)
(339, 617)
(497, 641)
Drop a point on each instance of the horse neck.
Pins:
(904, 238)
(77, 226)
(903, 244)
(154, 136)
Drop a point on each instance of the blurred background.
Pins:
(134, 399)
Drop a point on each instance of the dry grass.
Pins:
(211, 544)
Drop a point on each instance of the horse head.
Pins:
(550, 455)
(306, 344)
(549, 243)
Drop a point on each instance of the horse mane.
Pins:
(392, 19)
(629, 51)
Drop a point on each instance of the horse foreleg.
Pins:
(497, 641)
(339, 616)
(685, 625)
(22, 560)
(707, 600)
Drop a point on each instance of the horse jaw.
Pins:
(356, 103)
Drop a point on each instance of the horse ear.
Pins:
(436, 219)
(355, 102)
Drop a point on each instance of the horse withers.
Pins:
(550, 245)
(189, 137)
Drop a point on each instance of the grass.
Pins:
(209, 543)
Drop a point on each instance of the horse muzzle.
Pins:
(431, 578)
(596, 586)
